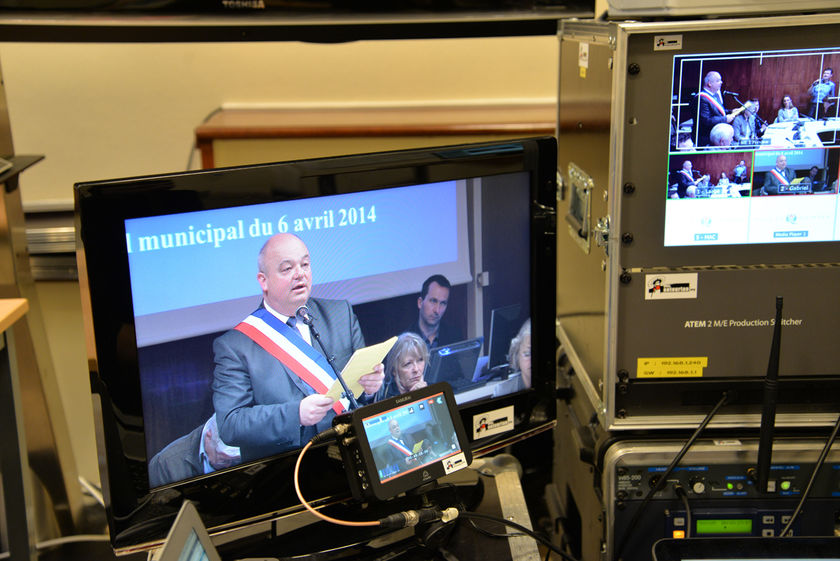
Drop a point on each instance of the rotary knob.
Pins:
(698, 486)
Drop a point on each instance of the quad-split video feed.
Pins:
(754, 148)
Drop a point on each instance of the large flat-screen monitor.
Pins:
(189, 402)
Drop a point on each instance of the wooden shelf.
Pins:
(11, 310)
(415, 125)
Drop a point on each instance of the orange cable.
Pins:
(315, 512)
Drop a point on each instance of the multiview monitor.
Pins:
(195, 393)
(754, 149)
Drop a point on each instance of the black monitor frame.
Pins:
(260, 491)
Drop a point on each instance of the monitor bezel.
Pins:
(102, 207)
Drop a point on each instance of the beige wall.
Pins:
(103, 111)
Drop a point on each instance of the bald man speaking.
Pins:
(270, 374)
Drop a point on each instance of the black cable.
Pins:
(680, 492)
(489, 534)
(146, 500)
(546, 542)
(817, 466)
(661, 482)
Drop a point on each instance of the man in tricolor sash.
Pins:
(269, 379)
(778, 176)
(399, 449)
(710, 108)
(686, 182)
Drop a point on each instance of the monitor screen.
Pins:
(201, 385)
(754, 149)
(413, 435)
(456, 364)
(505, 322)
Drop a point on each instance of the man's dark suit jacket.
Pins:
(772, 184)
(257, 399)
(177, 460)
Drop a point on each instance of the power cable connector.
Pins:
(410, 518)
(330, 434)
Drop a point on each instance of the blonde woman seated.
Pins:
(405, 365)
(519, 354)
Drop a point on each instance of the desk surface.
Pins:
(11, 310)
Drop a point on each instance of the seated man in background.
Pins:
(748, 125)
(684, 141)
(814, 179)
(431, 306)
(721, 135)
(199, 452)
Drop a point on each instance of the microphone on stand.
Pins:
(303, 315)
(725, 92)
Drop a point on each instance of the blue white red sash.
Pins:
(713, 102)
(287, 345)
(688, 175)
(782, 179)
(399, 446)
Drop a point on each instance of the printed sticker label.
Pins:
(671, 287)
(493, 422)
(667, 42)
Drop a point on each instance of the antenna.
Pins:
(768, 410)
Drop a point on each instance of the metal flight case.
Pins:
(665, 301)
